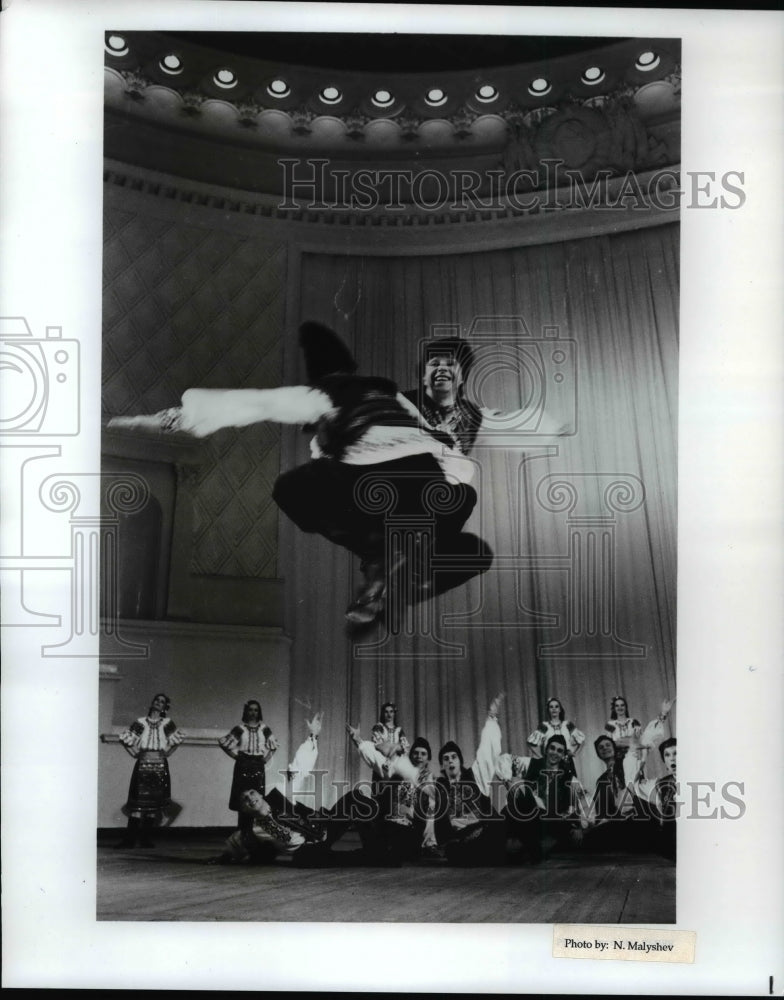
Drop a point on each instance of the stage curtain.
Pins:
(616, 298)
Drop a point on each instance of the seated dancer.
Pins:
(150, 740)
(251, 745)
(467, 828)
(390, 823)
(540, 806)
(421, 756)
(661, 798)
(615, 819)
(631, 740)
(393, 822)
(367, 435)
(266, 835)
(556, 724)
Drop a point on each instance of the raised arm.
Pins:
(489, 749)
(307, 753)
(368, 751)
(658, 729)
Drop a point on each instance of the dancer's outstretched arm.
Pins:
(307, 752)
(205, 411)
(489, 749)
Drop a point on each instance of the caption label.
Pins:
(623, 944)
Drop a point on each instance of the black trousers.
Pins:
(359, 507)
(482, 844)
(534, 826)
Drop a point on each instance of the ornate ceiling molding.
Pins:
(268, 104)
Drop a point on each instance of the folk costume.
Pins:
(254, 745)
(150, 741)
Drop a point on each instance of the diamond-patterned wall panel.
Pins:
(186, 306)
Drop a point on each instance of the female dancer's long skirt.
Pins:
(248, 776)
(150, 789)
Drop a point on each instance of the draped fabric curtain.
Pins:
(580, 603)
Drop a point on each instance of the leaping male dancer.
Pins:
(367, 435)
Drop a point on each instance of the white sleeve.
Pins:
(371, 755)
(402, 766)
(304, 761)
(654, 733)
(644, 788)
(487, 754)
(305, 758)
(205, 411)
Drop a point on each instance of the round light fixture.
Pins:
(435, 97)
(382, 99)
(225, 79)
(593, 75)
(330, 95)
(171, 64)
(539, 87)
(116, 45)
(278, 88)
(646, 61)
(486, 94)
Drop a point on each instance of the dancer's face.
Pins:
(554, 754)
(442, 372)
(605, 750)
(389, 715)
(620, 708)
(554, 708)
(450, 764)
(419, 757)
(670, 759)
(159, 703)
(252, 712)
(253, 802)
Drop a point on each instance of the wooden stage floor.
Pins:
(170, 882)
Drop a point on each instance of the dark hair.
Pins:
(247, 705)
(556, 739)
(450, 747)
(165, 697)
(618, 697)
(671, 742)
(561, 714)
(420, 741)
(377, 728)
(388, 704)
(602, 739)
